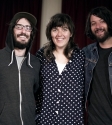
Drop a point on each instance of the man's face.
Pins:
(22, 31)
(99, 28)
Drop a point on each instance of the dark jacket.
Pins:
(91, 53)
(17, 86)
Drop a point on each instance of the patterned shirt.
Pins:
(61, 96)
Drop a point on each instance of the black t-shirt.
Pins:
(100, 106)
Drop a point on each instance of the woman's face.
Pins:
(60, 36)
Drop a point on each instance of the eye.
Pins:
(93, 23)
(54, 29)
(102, 21)
(28, 28)
(18, 26)
(65, 29)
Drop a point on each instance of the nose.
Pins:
(98, 25)
(23, 30)
(59, 33)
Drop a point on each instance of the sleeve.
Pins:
(39, 54)
(39, 95)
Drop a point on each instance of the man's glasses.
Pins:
(26, 27)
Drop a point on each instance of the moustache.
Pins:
(99, 29)
(23, 34)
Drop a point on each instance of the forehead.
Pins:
(23, 21)
(95, 18)
(62, 26)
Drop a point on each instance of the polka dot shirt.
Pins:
(60, 97)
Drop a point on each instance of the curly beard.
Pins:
(20, 45)
(103, 38)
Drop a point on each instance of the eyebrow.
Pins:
(23, 25)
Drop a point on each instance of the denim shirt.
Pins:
(91, 55)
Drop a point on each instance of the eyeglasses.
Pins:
(26, 27)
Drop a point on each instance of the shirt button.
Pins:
(56, 112)
(70, 61)
(58, 101)
(59, 79)
(59, 90)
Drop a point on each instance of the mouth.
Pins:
(99, 32)
(59, 39)
(22, 37)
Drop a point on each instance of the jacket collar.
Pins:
(94, 47)
(28, 58)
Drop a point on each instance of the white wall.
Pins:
(49, 8)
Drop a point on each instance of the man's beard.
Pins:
(20, 45)
(103, 38)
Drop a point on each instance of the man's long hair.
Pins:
(103, 13)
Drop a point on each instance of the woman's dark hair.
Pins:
(59, 20)
(103, 13)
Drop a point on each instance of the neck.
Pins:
(59, 51)
(59, 56)
(20, 52)
(107, 43)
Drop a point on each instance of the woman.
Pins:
(60, 101)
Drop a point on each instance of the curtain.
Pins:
(8, 8)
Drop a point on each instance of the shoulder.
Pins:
(78, 51)
(89, 47)
(78, 57)
(35, 63)
(40, 52)
(34, 58)
(78, 54)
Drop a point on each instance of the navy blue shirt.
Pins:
(61, 99)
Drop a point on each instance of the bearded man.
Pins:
(19, 72)
(98, 67)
